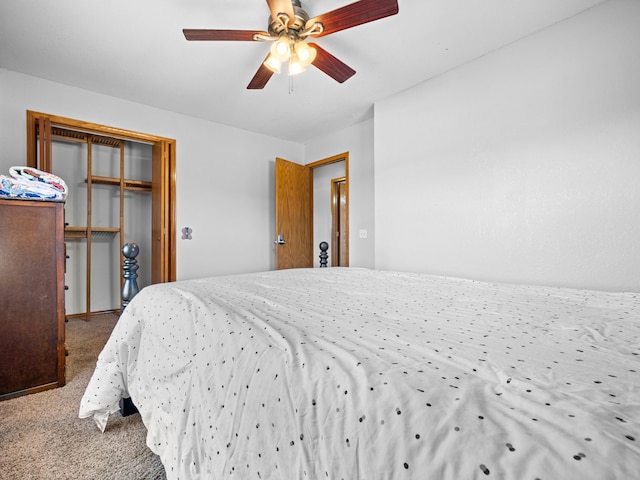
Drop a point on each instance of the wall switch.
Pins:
(363, 233)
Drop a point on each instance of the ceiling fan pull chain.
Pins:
(290, 79)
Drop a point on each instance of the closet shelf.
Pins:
(128, 184)
(81, 232)
(75, 232)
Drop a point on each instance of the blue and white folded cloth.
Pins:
(31, 183)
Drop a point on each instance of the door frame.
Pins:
(328, 161)
(164, 182)
(338, 219)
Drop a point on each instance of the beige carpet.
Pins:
(41, 436)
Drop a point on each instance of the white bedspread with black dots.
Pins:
(356, 374)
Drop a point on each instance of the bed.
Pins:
(347, 373)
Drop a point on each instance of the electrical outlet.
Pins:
(363, 233)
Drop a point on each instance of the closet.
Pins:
(121, 189)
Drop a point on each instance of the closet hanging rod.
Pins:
(81, 136)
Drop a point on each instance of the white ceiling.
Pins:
(135, 50)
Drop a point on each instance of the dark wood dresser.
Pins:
(32, 328)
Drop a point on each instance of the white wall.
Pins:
(225, 176)
(521, 166)
(358, 142)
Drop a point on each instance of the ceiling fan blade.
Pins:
(354, 14)
(336, 69)
(239, 35)
(261, 77)
(281, 6)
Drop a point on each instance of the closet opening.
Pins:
(121, 189)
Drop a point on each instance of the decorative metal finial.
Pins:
(324, 246)
(130, 267)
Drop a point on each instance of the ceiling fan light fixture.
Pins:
(273, 64)
(281, 49)
(295, 65)
(306, 54)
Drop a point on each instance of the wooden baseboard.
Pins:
(115, 311)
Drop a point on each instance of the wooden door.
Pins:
(294, 215)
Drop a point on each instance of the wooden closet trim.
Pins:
(38, 121)
(89, 127)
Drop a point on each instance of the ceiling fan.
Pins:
(289, 28)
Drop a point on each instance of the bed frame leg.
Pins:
(129, 290)
(127, 407)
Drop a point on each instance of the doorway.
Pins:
(330, 215)
(297, 245)
(339, 224)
